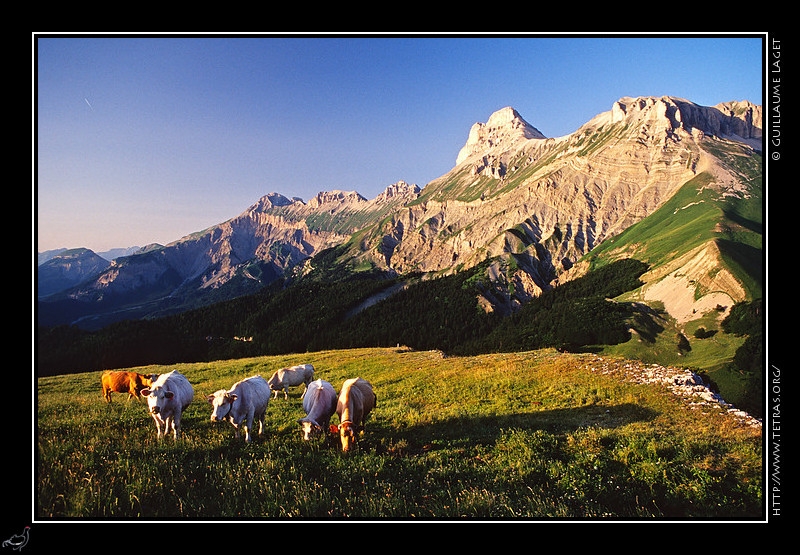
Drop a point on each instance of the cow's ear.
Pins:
(333, 429)
(210, 399)
(145, 392)
(232, 397)
(168, 394)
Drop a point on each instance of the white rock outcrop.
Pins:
(550, 201)
(681, 382)
(513, 192)
(503, 129)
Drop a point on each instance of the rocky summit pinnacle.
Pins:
(502, 130)
(535, 206)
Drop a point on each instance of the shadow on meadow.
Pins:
(393, 437)
(487, 429)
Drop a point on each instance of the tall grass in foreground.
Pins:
(534, 435)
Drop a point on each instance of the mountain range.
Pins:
(61, 269)
(659, 179)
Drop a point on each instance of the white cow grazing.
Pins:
(243, 403)
(319, 403)
(285, 378)
(167, 398)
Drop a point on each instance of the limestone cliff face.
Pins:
(538, 203)
(275, 233)
(543, 203)
(504, 129)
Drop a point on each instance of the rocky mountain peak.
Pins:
(502, 130)
(399, 190)
(67, 269)
(540, 203)
(738, 120)
(339, 197)
(270, 200)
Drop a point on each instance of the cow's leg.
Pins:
(248, 431)
(324, 427)
(158, 426)
(175, 423)
(247, 425)
(286, 392)
(256, 420)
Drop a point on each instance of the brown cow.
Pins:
(131, 383)
(356, 401)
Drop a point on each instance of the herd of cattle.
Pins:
(246, 401)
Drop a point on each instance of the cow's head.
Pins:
(146, 380)
(347, 432)
(309, 428)
(157, 398)
(222, 401)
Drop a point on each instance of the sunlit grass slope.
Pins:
(534, 435)
(696, 215)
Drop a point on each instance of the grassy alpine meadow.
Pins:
(536, 435)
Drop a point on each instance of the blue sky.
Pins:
(148, 139)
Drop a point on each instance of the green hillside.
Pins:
(442, 313)
(697, 215)
(534, 435)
